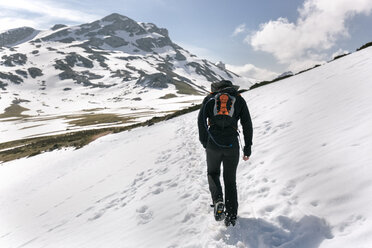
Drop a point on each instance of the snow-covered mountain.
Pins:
(111, 66)
(285, 74)
(306, 185)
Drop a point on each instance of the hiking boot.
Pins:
(219, 213)
(230, 220)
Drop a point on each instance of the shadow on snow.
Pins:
(309, 232)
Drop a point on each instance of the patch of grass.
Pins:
(14, 110)
(95, 119)
(93, 110)
(269, 82)
(184, 88)
(315, 66)
(340, 56)
(34, 146)
(365, 46)
(168, 96)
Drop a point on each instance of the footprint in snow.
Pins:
(288, 190)
(144, 215)
(165, 155)
(314, 203)
(347, 226)
(188, 217)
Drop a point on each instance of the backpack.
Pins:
(223, 110)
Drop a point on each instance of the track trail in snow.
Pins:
(179, 171)
(160, 200)
(174, 178)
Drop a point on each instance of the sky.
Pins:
(255, 38)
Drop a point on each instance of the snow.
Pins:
(307, 184)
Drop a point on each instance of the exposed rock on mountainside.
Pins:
(11, 77)
(14, 59)
(34, 72)
(221, 65)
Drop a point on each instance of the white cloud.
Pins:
(239, 29)
(304, 43)
(252, 72)
(10, 23)
(15, 13)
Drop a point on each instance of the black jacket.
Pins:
(225, 136)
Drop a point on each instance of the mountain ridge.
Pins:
(114, 64)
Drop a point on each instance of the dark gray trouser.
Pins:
(230, 159)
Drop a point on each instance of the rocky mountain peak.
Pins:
(58, 26)
(120, 22)
(115, 17)
(16, 36)
(285, 74)
(132, 26)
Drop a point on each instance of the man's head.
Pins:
(215, 87)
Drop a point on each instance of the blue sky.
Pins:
(256, 38)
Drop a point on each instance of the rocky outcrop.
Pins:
(34, 72)
(152, 28)
(82, 77)
(75, 59)
(11, 77)
(124, 74)
(14, 59)
(221, 65)
(179, 56)
(156, 80)
(22, 73)
(3, 85)
(115, 41)
(98, 57)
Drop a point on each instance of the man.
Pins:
(223, 108)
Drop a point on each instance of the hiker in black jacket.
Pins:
(219, 136)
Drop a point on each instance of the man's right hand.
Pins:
(245, 158)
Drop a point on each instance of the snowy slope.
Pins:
(307, 183)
